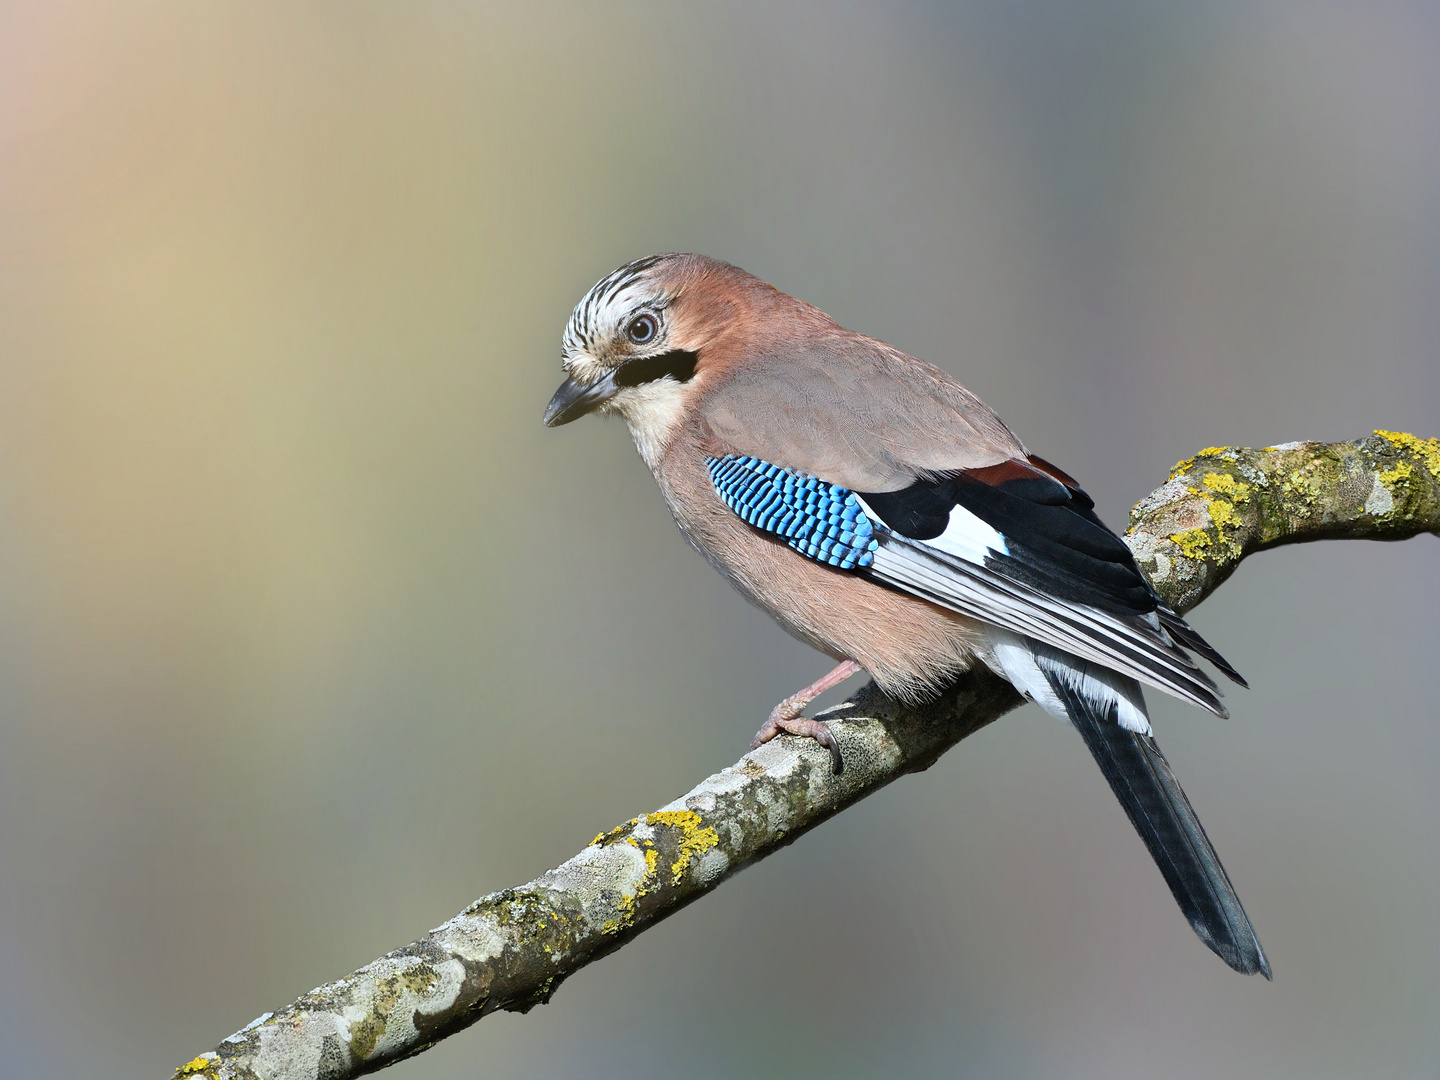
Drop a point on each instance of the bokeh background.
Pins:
(310, 633)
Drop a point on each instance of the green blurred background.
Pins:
(310, 633)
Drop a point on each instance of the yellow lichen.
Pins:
(1225, 484)
(1297, 483)
(1182, 467)
(1198, 543)
(614, 834)
(196, 1065)
(1426, 451)
(696, 838)
(627, 915)
(1223, 514)
(1192, 542)
(628, 903)
(1391, 477)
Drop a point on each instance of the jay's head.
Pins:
(645, 339)
(632, 344)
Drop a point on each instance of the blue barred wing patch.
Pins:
(822, 521)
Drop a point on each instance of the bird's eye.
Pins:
(642, 329)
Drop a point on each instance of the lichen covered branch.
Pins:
(510, 950)
(1229, 502)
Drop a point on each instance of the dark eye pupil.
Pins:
(642, 330)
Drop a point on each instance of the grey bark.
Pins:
(512, 949)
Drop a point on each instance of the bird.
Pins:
(886, 516)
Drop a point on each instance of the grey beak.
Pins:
(574, 399)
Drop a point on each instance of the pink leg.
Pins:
(786, 716)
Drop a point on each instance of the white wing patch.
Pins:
(966, 536)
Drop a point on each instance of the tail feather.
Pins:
(1143, 782)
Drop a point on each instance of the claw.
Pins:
(805, 728)
(786, 716)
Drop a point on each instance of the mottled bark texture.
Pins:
(512, 949)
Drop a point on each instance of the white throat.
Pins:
(652, 411)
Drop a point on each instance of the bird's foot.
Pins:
(786, 717)
(805, 728)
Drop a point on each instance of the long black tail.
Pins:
(1142, 781)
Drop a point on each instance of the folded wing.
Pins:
(1016, 545)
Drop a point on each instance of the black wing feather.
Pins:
(1056, 542)
(1187, 636)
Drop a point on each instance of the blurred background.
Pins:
(302, 649)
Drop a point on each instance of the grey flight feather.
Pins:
(1133, 646)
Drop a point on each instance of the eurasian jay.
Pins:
(885, 515)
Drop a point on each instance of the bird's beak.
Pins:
(574, 399)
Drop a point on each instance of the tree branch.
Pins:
(512, 949)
